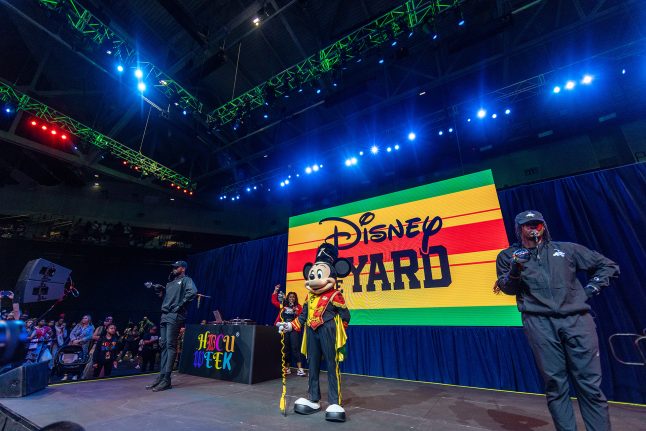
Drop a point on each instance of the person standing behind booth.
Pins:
(556, 317)
(177, 294)
(289, 309)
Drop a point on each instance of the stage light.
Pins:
(461, 22)
(109, 52)
(96, 184)
(361, 153)
(482, 112)
(248, 189)
(53, 132)
(556, 90)
(119, 68)
(468, 120)
(265, 116)
(397, 146)
(411, 34)
(450, 129)
(315, 168)
(184, 112)
(507, 111)
(238, 197)
(282, 183)
(141, 87)
(348, 162)
(381, 61)
(256, 21)
(139, 74)
(412, 136)
(441, 132)
(587, 79)
(289, 176)
(394, 43)
(286, 182)
(435, 36)
(421, 93)
(354, 161)
(233, 198)
(44, 127)
(494, 116)
(374, 149)
(254, 187)
(623, 71)
(7, 110)
(570, 85)
(321, 166)
(308, 170)
(389, 149)
(75, 147)
(33, 123)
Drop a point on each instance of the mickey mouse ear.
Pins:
(342, 267)
(306, 269)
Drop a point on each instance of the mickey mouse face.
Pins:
(320, 271)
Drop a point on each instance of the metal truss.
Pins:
(387, 27)
(92, 29)
(148, 166)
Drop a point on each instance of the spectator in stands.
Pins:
(81, 335)
(106, 352)
(60, 335)
(149, 350)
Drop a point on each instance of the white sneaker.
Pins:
(301, 372)
(137, 367)
(64, 378)
(288, 371)
(75, 377)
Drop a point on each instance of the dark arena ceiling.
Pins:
(232, 108)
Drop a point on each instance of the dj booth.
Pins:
(237, 352)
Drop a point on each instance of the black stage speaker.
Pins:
(41, 280)
(24, 380)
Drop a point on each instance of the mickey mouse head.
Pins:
(321, 276)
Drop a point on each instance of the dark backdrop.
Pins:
(603, 210)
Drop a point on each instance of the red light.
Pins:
(178, 187)
(33, 123)
(185, 191)
(172, 184)
(63, 137)
(125, 163)
(44, 127)
(191, 193)
(53, 132)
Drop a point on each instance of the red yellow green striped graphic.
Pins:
(393, 282)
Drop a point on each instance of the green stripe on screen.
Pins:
(453, 185)
(505, 315)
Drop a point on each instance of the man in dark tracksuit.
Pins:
(176, 296)
(556, 319)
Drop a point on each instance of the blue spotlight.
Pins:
(348, 162)
(482, 112)
(435, 36)
(556, 90)
(450, 129)
(412, 136)
(394, 43)
(282, 183)
(389, 149)
(461, 22)
(374, 149)
(315, 168)
(381, 61)
(119, 68)
(308, 170)
(397, 146)
(265, 116)
(587, 79)
(254, 187)
(7, 110)
(570, 85)
(361, 153)
(318, 91)
(286, 182)
(623, 71)
(468, 120)
(248, 189)
(411, 34)
(321, 166)
(184, 112)
(507, 111)
(353, 161)
(441, 132)
(141, 86)
(139, 74)
(494, 116)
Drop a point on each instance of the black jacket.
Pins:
(177, 294)
(548, 284)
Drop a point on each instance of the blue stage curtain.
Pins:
(605, 211)
(240, 279)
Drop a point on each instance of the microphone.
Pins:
(534, 236)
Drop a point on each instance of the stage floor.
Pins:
(373, 404)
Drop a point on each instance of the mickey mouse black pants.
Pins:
(321, 343)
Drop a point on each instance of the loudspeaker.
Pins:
(24, 380)
(41, 280)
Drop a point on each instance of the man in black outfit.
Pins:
(176, 296)
(556, 319)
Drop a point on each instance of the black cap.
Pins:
(180, 263)
(327, 253)
(527, 216)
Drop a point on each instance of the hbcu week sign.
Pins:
(422, 256)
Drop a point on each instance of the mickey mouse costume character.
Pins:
(324, 320)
